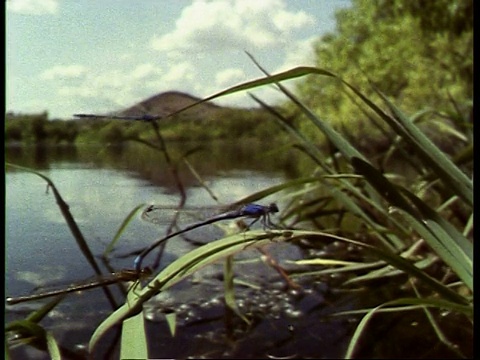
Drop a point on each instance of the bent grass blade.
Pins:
(73, 226)
(181, 269)
(214, 251)
(122, 228)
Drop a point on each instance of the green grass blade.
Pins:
(443, 245)
(334, 136)
(130, 308)
(134, 342)
(179, 270)
(434, 157)
(381, 184)
(468, 226)
(391, 258)
(352, 206)
(40, 314)
(44, 340)
(52, 346)
(27, 327)
(121, 229)
(312, 150)
(354, 341)
(389, 271)
(208, 254)
(171, 319)
(347, 268)
(282, 76)
(197, 176)
(72, 225)
(275, 189)
(455, 251)
(64, 208)
(461, 243)
(423, 147)
(230, 288)
(438, 303)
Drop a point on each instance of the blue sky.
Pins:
(90, 56)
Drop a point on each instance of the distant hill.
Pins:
(168, 102)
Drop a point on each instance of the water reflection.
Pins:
(101, 186)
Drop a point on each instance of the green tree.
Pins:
(113, 133)
(37, 125)
(454, 17)
(416, 61)
(13, 130)
(62, 131)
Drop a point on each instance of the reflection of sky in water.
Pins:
(234, 186)
(38, 240)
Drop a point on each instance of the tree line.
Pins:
(419, 54)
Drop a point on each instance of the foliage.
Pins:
(410, 54)
(446, 16)
(394, 216)
(405, 221)
(37, 129)
(112, 133)
(414, 225)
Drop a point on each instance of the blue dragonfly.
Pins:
(145, 118)
(253, 211)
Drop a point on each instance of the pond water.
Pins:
(102, 185)
(99, 199)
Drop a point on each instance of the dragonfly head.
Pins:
(146, 272)
(273, 208)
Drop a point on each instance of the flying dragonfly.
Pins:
(146, 117)
(253, 211)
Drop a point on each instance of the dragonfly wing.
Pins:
(164, 215)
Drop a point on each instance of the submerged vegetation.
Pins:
(411, 228)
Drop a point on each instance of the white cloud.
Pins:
(175, 76)
(301, 53)
(33, 7)
(287, 21)
(143, 71)
(63, 71)
(228, 77)
(113, 88)
(120, 82)
(34, 106)
(179, 72)
(211, 26)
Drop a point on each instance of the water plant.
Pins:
(387, 215)
(415, 225)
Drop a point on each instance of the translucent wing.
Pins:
(163, 215)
